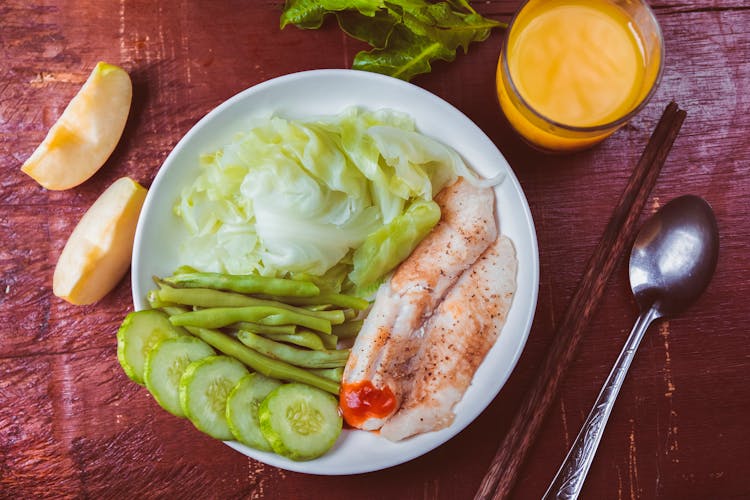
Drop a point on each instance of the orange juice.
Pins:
(571, 70)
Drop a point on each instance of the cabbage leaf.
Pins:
(341, 194)
(387, 247)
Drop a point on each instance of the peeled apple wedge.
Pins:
(98, 252)
(86, 133)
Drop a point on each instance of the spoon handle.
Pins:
(569, 479)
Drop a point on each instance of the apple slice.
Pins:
(98, 252)
(86, 133)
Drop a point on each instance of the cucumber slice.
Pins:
(138, 334)
(299, 421)
(165, 364)
(242, 409)
(204, 388)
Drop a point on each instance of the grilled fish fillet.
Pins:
(373, 381)
(456, 339)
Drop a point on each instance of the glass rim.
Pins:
(594, 128)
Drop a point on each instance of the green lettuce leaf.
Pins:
(309, 14)
(375, 30)
(406, 36)
(406, 55)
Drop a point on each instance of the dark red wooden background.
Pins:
(72, 425)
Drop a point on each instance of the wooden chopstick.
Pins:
(618, 236)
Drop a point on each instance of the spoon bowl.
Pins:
(674, 256)
(672, 261)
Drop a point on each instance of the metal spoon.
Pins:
(672, 261)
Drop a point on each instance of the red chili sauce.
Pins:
(361, 400)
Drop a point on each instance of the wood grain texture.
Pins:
(614, 244)
(73, 426)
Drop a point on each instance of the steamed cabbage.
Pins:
(385, 248)
(299, 197)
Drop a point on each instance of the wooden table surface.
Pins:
(72, 425)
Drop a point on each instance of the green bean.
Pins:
(336, 299)
(348, 329)
(329, 341)
(173, 310)
(267, 366)
(153, 299)
(336, 317)
(207, 297)
(318, 324)
(262, 364)
(303, 339)
(217, 317)
(292, 355)
(319, 307)
(335, 374)
(245, 284)
(265, 329)
(185, 270)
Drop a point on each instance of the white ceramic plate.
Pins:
(326, 92)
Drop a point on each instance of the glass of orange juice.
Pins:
(571, 72)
